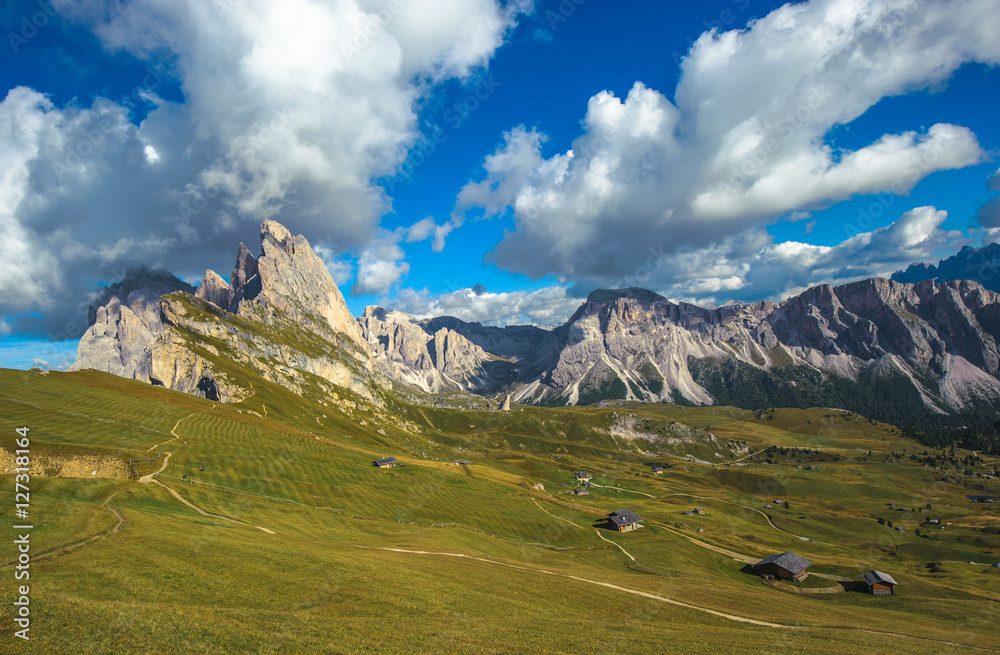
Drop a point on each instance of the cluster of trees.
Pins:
(962, 465)
(892, 400)
(776, 454)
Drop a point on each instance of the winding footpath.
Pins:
(628, 554)
(556, 517)
(636, 592)
(753, 509)
(62, 550)
(151, 478)
(678, 603)
(172, 431)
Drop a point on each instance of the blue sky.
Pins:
(491, 160)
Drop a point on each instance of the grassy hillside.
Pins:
(324, 553)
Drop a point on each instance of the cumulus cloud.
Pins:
(380, 266)
(784, 269)
(742, 144)
(547, 307)
(290, 111)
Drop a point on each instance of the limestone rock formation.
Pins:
(295, 285)
(281, 317)
(980, 265)
(442, 360)
(243, 281)
(291, 327)
(125, 322)
(119, 342)
(632, 344)
(214, 289)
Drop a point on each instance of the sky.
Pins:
(494, 160)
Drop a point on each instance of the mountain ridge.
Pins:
(281, 316)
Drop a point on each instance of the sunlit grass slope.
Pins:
(495, 556)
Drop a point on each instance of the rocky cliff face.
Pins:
(295, 285)
(280, 316)
(125, 323)
(939, 339)
(631, 344)
(430, 356)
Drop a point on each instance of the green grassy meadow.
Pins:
(434, 557)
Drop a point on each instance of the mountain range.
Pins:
(887, 348)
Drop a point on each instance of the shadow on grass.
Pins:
(854, 585)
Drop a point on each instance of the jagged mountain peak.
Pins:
(978, 264)
(938, 338)
(272, 231)
(290, 281)
(295, 328)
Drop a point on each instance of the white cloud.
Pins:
(425, 229)
(783, 269)
(744, 142)
(421, 230)
(381, 265)
(547, 307)
(750, 266)
(341, 269)
(291, 111)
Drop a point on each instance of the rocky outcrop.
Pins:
(119, 342)
(140, 291)
(295, 285)
(125, 323)
(214, 289)
(243, 281)
(633, 344)
(980, 265)
(66, 465)
(440, 360)
(280, 317)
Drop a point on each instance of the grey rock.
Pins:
(295, 285)
(119, 342)
(243, 281)
(299, 333)
(633, 344)
(214, 289)
(124, 323)
(440, 361)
